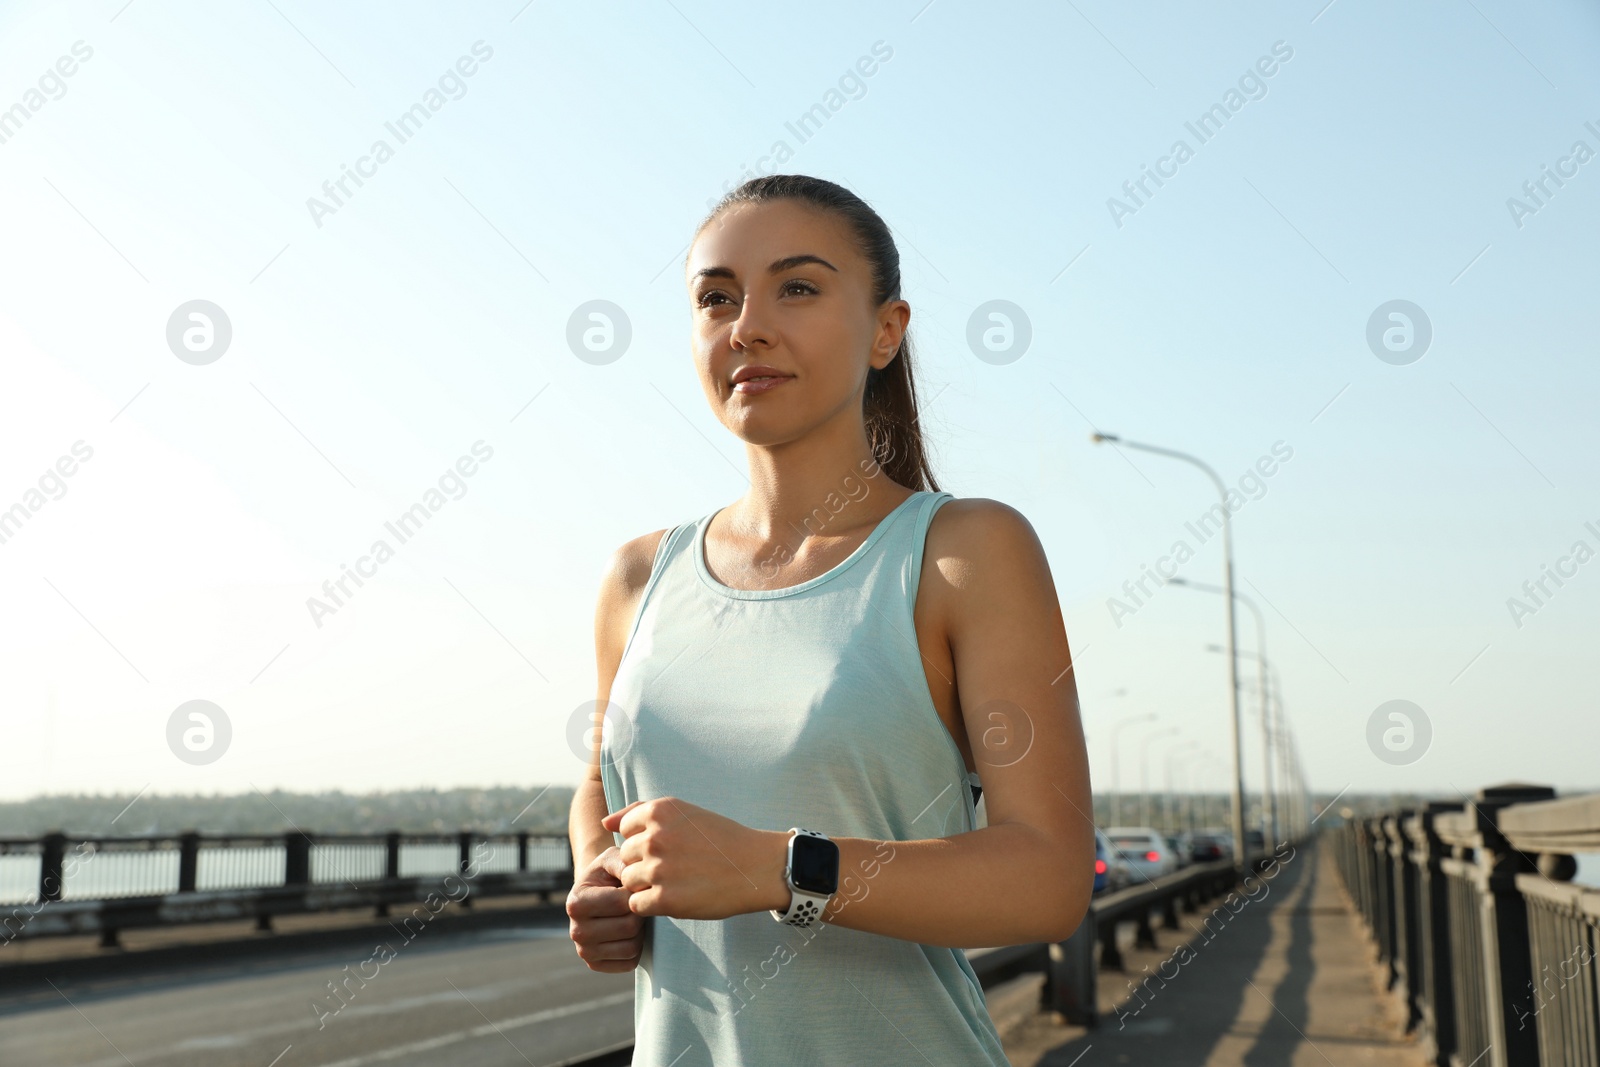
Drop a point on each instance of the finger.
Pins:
(636, 848)
(614, 820)
(635, 879)
(613, 966)
(600, 873)
(645, 902)
(614, 928)
(598, 902)
(627, 948)
(613, 863)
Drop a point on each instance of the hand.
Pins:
(609, 937)
(687, 862)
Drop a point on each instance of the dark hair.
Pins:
(890, 405)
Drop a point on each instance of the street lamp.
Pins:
(1302, 789)
(1269, 811)
(1233, 631)
(1280, 736)
(1116, 780)
(1144, 773)
(1273, 802)
(1222, 768)
(1192, 765)
(1185, 772)
(1176, 750)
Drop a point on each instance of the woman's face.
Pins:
(784, 324)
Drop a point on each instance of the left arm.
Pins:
(1026, 876)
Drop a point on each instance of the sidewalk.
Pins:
(1287, 981)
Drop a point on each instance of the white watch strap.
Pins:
(804, 908)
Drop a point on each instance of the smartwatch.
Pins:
(812, 874)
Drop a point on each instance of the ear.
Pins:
(893, 318)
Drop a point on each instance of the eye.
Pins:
(804, 287)
(706, 296)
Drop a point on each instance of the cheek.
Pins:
(836, 354)
(700, 358)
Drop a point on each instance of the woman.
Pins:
(841, 652)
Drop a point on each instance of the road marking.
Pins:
(482, 1031)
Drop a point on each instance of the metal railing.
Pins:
(1482, 935)
(1071, 967)
(77, 885)
(192, 877)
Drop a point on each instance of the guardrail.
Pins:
(190, 877)
(106, 884)
(1071, 967)
(1484, 939)
(1072, 970)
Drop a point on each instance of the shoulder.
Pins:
(989, 577)
(629, 566)
(627, 571)
(973, 536)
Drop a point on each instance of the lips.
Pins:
(757, 370)
(758, 379)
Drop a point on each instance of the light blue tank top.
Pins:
(803, 706)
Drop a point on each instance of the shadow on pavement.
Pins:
(1285, 1027)
(1185, 1000)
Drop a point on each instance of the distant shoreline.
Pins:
(496, 809)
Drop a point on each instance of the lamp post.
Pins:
(1281, 736)
(1233, 631)
(1302, 791)
(1269, 811)
(1191, 764)
(1222, 767)
(1144, 773)
(1272, 813)
(1282, 740)
(1116, 781)
(1198, 761)
(1178, 751)
(1183, 807)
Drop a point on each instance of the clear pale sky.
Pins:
(374, 344)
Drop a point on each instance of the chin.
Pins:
(764, 428)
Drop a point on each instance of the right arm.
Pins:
(606, 934)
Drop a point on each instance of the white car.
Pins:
(1145, 849)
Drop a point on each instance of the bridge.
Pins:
(1448, 933)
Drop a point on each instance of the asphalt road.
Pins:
(509, 996)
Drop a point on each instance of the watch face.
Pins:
(816, 864)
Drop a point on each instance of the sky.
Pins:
(411, 334)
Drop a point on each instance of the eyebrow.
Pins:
(778, 265)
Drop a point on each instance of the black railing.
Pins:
(191, 877)
(1482, 935)
(104, 884)
(1071, 967)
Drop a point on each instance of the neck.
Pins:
(827, 482)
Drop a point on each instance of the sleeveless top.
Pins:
(802, 706)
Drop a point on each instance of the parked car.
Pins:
(1145, 850)
(1203, 848)
(1179, 843)
(1102, 865)
(1111, 871)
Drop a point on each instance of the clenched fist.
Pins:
(687, 862)
(608, 936)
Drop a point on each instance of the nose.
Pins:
(753, 326)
